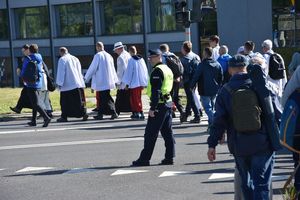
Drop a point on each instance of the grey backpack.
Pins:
(246, 112)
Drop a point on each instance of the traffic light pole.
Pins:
(188, 33)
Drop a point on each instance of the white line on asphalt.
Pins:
(215, 176)
(174, 173)
(122, 172)
(30, 169)
(28, 146)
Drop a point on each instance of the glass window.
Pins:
(3, 25)
(5, 72)
(286, 24)
(163, 16)
(74, 19)
(32, 22)
(122, 16)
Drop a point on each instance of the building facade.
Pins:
(78, 24)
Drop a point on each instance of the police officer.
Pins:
(160, 114)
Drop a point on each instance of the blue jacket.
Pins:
(36, 57)
(238, 144)
(209, 76)
(223, 60)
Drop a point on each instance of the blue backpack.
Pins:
(290, 123)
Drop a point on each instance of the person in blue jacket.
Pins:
(32, 87)
(253, 153)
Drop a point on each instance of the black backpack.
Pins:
(31, 74)
(174, 63)
(246, 112)
(276, 67)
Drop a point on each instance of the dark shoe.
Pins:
(16, 110)
(134, 115)
(95, 110)
(98, 117)
(46, 122)
(85, 117)
(196, 120)
(114, 116)
(167, 162)
(61, 120)
(183, 118)
(31, 123)
(140, 163)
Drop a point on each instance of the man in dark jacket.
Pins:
(209, 77)
(253, 153)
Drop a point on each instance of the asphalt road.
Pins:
(91, 160)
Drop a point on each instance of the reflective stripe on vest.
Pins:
(166, 85)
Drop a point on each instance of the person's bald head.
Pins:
(99, 46)
(63, 51)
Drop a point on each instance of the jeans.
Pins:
(190, 101)
(297, 175)
(208, 103)
(256, 173)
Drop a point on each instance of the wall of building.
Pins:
(239, 21)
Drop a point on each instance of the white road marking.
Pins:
(2, 169)
(30, 169)
(174, 173)
(28, 146)
(122, 172)
(79, 170)
(221, 176)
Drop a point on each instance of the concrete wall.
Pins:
(241, 20)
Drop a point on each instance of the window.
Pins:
(163, 16)
(74, 20)
(3, 25)
(286, 24)
(32, 22)
(122, 16)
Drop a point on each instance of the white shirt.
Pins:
(136, 74)
(122, 63)
(69, 74)
(102, 72)
(215, 54)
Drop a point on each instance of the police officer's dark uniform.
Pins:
(159, 88)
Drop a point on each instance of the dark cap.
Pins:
(155, 52)
(238, 61)
(25, 46)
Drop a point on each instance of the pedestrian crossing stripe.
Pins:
(30, 169)
(123, 172)
(215, 176)
(174, 173)
(2, 169)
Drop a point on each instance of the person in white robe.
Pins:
(71, 85)
(104, 78)
(123, 96)
(135, 79)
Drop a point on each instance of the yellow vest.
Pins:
(166, 85)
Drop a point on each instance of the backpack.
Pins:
(30, 74)
(276, 67)
(174, 63)
(246, 112)
(290, 123)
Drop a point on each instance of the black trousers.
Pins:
(175, 96)
(190, 101)
(123, 101)
(161, 122)
(24, 101)
(32, 94)
(107, 105)
(72, 103)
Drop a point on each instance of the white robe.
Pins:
(69, 74)
(122, 63)
(136, 74)
(102, 72)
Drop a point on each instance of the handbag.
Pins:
(50, 84)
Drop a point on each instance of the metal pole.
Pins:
(94, 22)
(52, 53)
(12, 56)
(188, 33)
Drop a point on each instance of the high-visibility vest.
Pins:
(166, 85)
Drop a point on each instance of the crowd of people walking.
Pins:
(243, 96)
